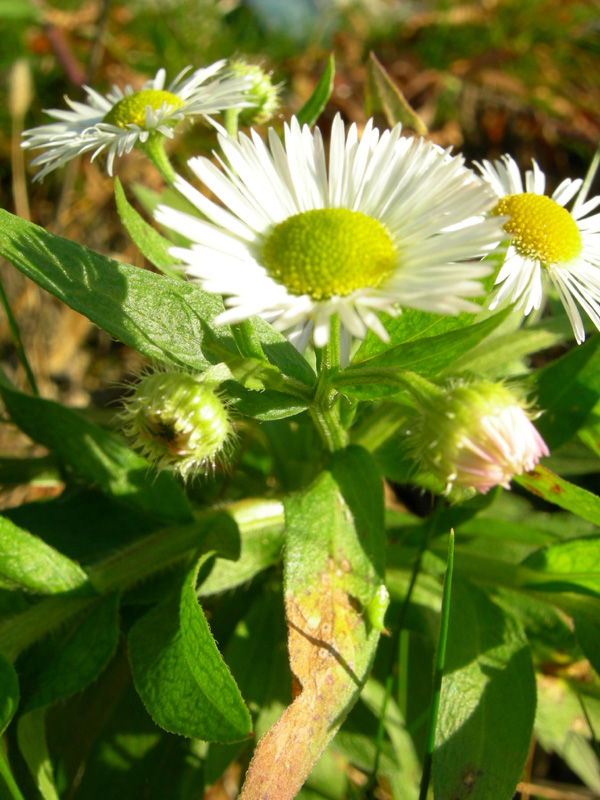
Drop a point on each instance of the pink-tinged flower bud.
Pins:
(477, 436)
(177, 421)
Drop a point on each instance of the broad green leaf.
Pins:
(67, 664)
(559, 492)
(31, 734)
(264, 406)
(180, 674)
(568, 389)
(29, 563)
(9, 693)
(148, 240)
(382, 94)
(96, 454)
(331, 575)
(165, 319)
(39, 471)
(588, 635)
(282, 354)
(487, 704)
(572, 566)
(429, 356)
(314, 106)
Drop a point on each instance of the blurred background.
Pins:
(487, 77)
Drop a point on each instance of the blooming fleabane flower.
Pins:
(122, 119)
(385, 222)
(547, 239)
(476, 435)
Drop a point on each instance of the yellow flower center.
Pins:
(329, 252)
(541, 229)
(132, 108)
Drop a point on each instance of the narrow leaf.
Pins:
(31, 734)
(96, 454)
(382, 94)
(559, 492)
(314, 106)
(29, 563)
(487, 704)
(588, 636)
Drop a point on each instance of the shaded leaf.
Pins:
(9, 693)
(572, 566)
(487, 704)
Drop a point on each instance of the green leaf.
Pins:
(428, 356)
(66, 666)
(382, 94)
(264, 406)
(559, 492)
(572, 566)
(180, 674)
(588, 635)
(148, 240)
(9, 693)
(313, 108)
(487, 705)
(31, 734)
(96, 454)
(261, 528)
(568, 389)
(29, 563)
(165, 319)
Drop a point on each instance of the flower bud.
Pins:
(476, 436)
(261, 92)
(178, 421)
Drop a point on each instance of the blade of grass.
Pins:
(17, 341)
(440, 660)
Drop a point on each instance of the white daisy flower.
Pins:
(546, 238)
(389, 222)
(124, 118)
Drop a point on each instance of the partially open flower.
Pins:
(177, 421)
(476, 436)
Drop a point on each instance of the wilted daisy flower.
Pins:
(388, 222)
(546, 238)
(176, 420)
(476, 436)
(125, 118)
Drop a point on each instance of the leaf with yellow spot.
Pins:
(333, 568)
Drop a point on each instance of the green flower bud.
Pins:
(262, 93)
(476, 435)
(178, 421)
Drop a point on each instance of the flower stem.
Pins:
(325, 410)
(17, 341)
(154, 147)
(232, 116)
(8, 776)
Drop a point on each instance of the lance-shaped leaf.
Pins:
(333, 569)
(96, 454)
(312, 109)
(382, 94)
(559, 492)
(180, 675)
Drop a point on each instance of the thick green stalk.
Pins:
(324, 410)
